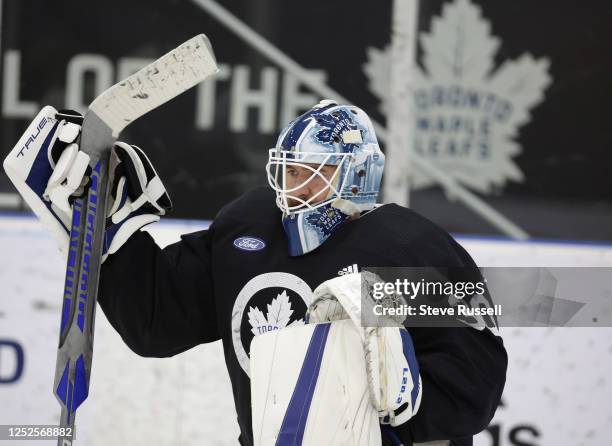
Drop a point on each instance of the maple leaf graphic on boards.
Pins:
(467, 111)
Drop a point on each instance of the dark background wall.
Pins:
(210, 152)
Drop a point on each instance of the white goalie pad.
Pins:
(309, 387)
(389, 357)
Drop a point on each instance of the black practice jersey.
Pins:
(215, 284)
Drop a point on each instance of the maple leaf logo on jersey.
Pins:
(278, 315)
(467, 111)
(333, 127)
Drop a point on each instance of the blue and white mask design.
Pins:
(326, 167)
(306, 231)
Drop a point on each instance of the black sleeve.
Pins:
(160, 300)
(463, 370)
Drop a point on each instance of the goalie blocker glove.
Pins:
(49, 171)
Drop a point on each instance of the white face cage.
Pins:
(280, 160)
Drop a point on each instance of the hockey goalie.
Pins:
(333, 381)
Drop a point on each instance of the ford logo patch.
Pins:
(249, 244)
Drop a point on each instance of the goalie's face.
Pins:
(308, 185)
(303, 182)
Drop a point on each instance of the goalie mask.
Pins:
(326, 168)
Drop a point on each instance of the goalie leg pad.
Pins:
(390, 360)
(309, 387)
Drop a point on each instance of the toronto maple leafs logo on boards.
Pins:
(467, 110)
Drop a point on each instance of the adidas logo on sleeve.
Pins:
(351, 269)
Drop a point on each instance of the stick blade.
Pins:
(167, 77)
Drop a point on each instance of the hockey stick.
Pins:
(107, 116)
